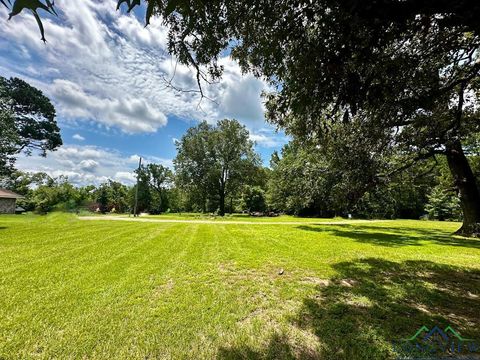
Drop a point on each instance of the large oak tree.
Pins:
(215, 161)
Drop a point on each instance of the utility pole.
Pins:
(136, 189)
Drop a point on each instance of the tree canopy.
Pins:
(27, 122)
(215, 161)
(154, 182)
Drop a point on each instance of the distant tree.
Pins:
(253, 198)
(103, 198)
(144, 192)
(234, 158)
(287, 186)
(443, 205)
(55, 194)
(160, 178)
(23, 182)
(27, 122)
(112, 195)
(401, 196)
(175, 200)
(118, 196)
(215, 161)
(303, 182)
(192, 164)
(312, 180)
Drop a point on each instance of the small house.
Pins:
(8, 201)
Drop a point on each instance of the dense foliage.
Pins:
(27, 122)
(308, 181)
(214, 162)
(299, 181)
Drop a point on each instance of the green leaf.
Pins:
(171, 6)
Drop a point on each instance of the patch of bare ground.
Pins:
(268, 320)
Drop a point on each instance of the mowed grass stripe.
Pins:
(116, 313)
(85, 289)
(62, 247)
(61, 269)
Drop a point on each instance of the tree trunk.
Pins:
(467, 188)
(160, 202)
(222, 202)
(204, 203)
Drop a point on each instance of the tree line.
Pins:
(217, 171)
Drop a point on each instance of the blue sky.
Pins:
(106, 75)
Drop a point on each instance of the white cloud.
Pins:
(134, 158)
(78, 137)
(239, 96)
(264, 140)
(104, 66)
(88, 165)
(268, 138)
(125, 177)
(85, 165)
(131, 115)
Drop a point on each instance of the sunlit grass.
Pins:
(104, 289)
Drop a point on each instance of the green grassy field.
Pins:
(104, 289)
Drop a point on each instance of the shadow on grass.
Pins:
(372, 302)
(278, 347)
(393, 236)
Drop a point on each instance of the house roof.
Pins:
(7, 194)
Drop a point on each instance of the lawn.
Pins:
(110, 290)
